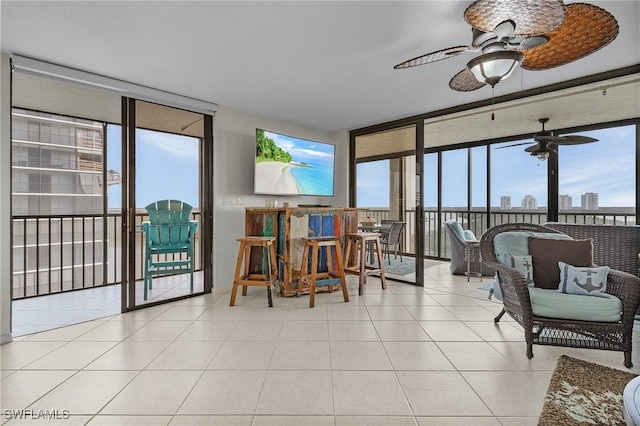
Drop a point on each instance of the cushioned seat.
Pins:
(552, 304)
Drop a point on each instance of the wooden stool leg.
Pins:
(327, 251)
(236, 276)
(314, 272)
(268, 273)
(247, 261)
(303, 268)
(347, 253)
(381, 263)
(339, 266)
(362, 278)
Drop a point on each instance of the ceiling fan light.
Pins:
(495, 66)
(542, 155)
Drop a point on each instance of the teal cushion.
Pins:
(551, 304)
(517, 242)
(457, 228)
(469, 235)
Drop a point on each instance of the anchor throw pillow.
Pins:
(524, 265)
(583, 280)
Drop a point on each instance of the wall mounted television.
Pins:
(285, 165)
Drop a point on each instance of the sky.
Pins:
(606, 167)
(166, 167)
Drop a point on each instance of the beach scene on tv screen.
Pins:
(288, 165)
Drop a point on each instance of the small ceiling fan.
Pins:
(548, 143)
(535, 34)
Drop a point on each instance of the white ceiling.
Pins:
(324, 65)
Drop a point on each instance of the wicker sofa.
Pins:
(613, 335)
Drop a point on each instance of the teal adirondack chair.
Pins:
(169, 236)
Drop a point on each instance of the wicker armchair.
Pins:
(459, 260)
(614, 336)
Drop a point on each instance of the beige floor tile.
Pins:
(256, 330)
(416, 300)
(492, 332)
(63, 334)
(211, 330)
(225, 392)
(262, 311)
(243, 356)
(430, 313)
(153, 393)
(202, 420)
(128, 356)
(181, 312)
(223, 313)
(358, 356)
(409, 331)
(368, 393)
(71, 356)
(453, 300)
(457, 421)
(384, 298)
(542, 378)
(146, 314)
(545, 357)
(475, 356)
(304, 313)
(185, 356)
(389, 312)
(301, 356)
(309, 392)
(110, 420)
(292, 420)
(16, 355)
(352, 331)
(507, 393)
(416, 356)
(159, 331)
(449, 331)
(351, 311)
(23, 388)
(113, 331)
(440, 393)
(304, 330)
(375, 421)
(86, 392)
(519, 421)
(471, 313)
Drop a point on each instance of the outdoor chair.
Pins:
(169, 237)
(583, 310)
(465, 251)
(393, 238)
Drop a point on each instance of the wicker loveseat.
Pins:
(611, 335)
(463, 250)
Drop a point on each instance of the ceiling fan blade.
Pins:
(515, 144)
(575, 140)
(586, 29)
(464, 81)
(532, 148)
(505, 29)
(530, 18)
(436, 56)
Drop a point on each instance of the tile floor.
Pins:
(403, 356)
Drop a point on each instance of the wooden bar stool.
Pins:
(329, 278)
(362, 241)
(268, 269)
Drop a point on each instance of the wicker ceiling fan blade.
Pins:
(435, 56)
(575, 140)
(464, 81)
(586, 29)
(515, 144)
(530, 17)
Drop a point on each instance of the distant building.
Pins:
(564, 202)
(505, 202)
(529, 202)
(590, 201)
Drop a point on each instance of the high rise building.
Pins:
(590, 201)
(564, 202)
(505, 202)
(529, 202)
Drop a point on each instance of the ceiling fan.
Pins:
(546, 142)
(535, 34)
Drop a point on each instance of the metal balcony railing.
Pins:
(58, 253)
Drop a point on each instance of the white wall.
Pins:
(5, 196)
(234, 143)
